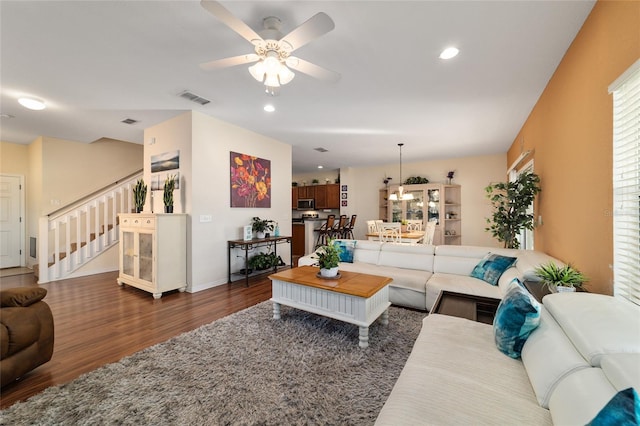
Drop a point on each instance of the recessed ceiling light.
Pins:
(449, 53)
(320, 167)
(269, 108)
(32, 103)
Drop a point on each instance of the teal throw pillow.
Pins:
(517, 316)
(622, 410)
(346, 249)
(491, 267)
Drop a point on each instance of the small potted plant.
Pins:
(139, 195)
(315, 181)
(403, 225)
(560, 278)
(169, 186)
(261, 226)
(328, 259)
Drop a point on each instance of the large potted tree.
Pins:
(510, 202)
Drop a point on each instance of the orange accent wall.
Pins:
(570, 133)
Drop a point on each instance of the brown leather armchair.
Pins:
(26, 332)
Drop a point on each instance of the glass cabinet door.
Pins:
(414, 207)
(128, 253)
(396, 211)
(146, 256)
(433, 207)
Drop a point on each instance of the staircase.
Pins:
(72, 236)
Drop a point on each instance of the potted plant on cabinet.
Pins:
(261, 226)
(560, 278)
(139, 195)
(510, 202)
(328, 259)
(169, 186)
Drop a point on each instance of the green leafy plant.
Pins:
(415, 180)
(263, 261)
(169, 186)
(139, 195)
(261, 225)
(328, 256)
(510, 202)
(562, 276)
(315, 181)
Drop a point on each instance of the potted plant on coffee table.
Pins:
(261, 226)
(560, 278)
(328, 259)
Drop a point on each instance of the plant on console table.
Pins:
(560, 278)
(169, 186)
(261, 226)
(139, 195)
(328, 259)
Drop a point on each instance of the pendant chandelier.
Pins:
(399, 195)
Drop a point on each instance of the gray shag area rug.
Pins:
(244, 369)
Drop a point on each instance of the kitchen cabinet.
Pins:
(294, 197)
(325, 196)
(298, 239)
(152, 252)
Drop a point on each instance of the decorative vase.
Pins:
(168, 209)
(403, 228)
(260, 234)
(332, 272)
(561, 289)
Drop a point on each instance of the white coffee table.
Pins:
(354, 298)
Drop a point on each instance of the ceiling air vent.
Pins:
(321, 149)
(194, 98)
(129, 121)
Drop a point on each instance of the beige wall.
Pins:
(14, 159)
(570, 131)
(205, 143)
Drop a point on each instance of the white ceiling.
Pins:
(96, 63)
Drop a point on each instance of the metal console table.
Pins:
(247, 245)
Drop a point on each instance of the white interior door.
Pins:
(10, 221)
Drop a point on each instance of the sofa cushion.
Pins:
(491, 267)
(459, 260)
(347, 248)
(458, 283)
(407, 256)
(367, 251)
(549, 356)
(21, 296)
(580, 396)
(622, 370)
(23, 327)
(455, 375)
(596, 324)
(622, 410)
(517, 316)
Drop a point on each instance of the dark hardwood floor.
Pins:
(98, 322)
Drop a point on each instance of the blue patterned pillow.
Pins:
(346, 249)
(622, 410)
(491, 267)
(517, 316)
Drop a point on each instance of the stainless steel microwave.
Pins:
(305, 204)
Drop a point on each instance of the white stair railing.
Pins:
(72, 236)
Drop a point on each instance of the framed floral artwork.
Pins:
(250, 181)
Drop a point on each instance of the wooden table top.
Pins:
(352, 283)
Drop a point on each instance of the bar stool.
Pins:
(339, 227)
(347, 234)
(324, 232)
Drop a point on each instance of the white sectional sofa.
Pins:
(585, 350)
(420, 271)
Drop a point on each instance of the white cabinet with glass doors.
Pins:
(439, 203)
(153, 252)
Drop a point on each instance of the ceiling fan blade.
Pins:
(312, 69)
(217, 10)
(229, 62)
(316, 26)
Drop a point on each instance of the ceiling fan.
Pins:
(273, 49)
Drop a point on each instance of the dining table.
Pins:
(405, 237)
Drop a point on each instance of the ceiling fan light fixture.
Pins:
(271, 80)
(285, 75)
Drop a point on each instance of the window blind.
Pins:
(626, 184)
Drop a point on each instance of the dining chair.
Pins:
(324, 232)
(372, 228)
(390, 232)
(414, 225)
(430, 230)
